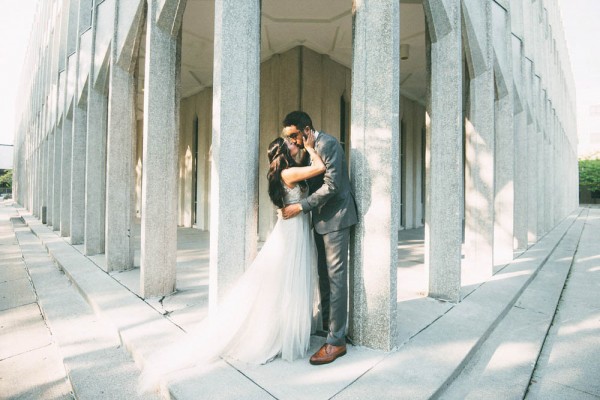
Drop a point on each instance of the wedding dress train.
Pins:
(270, 311)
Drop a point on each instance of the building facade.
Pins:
(457, 116)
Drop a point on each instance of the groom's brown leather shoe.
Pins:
(327, 353)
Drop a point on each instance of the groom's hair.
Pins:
(298, 118)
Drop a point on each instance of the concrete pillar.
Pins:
(65, 200)
(95, 170)
(161, 135)
(79, 134)
(444, 162)
(375, 172)
(479, 131)
(234, 191)
(539, 184)
(119, 167)
(36, 161)
(43, 177)
(550, 194)
(97, 113)
(56, 179)
(532, 176)
(50, 177)
(504, 197)
(78, 173)
(521, 175)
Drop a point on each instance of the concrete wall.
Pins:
(296, 78)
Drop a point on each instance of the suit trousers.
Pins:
(332, 251)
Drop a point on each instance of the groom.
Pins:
(333, 212)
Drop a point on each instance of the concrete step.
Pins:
(30, 362)
(432, 359)
(503, 366)
(96, 364)
(423, 366)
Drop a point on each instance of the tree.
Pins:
(589, 175)
(6, 179)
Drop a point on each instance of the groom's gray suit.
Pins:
(333, 212)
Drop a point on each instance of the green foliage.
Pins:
(589, 174)
(6, 179)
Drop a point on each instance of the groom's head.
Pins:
(296, 125)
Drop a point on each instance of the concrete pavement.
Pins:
(530, 331)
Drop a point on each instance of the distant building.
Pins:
(456, 115)
(6, 156)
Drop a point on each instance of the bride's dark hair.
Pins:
(279, 159)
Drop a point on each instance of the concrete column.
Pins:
(479, 131)
(49, 177)
(375, 172)
(36, 167)
(532, 176)
(78, 173)
(161, 135)
(56, 179)
(504, 197)
(65, 201)
(119, 167)
(521, 175)
(36, 170)
(444, 175)
(43, 178)
(550, 194)
(234, 191)
(79, 134)
(95, 170)
(539, 184)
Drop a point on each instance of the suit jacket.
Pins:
(331, 200)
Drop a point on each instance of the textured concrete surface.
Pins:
(484, 347)
(444, 179)
(30, 362)
(375, 173)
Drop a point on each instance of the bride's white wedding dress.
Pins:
(268, 312)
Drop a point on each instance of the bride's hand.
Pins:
(309, 140)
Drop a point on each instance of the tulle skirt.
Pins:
(271, 310)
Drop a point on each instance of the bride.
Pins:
(270, 309)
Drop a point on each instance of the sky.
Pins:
(16, 18)
(581, 22)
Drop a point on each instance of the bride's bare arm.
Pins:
(297, 174)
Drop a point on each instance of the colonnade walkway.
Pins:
(68, 329)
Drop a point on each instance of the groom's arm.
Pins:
(332, 157)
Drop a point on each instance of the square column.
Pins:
(444, 196)
(479, 142)
(539, 135)
(532, 171)
(504, 193)
(43, 178)
(160, 141)
(56, 178)
(234, 184)
(36, 175)
(95, 170)
(119, 168)
(375, 172)
(65, 198)
(78, 173)
(521, 173)
(49, 177)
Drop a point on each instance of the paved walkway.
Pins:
(98, 329)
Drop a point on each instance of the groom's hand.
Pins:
(291, 211)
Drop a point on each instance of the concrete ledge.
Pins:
(429, 362)
(141, 328)
(421, 368)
